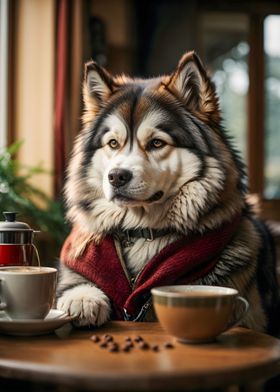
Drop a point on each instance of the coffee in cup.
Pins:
(27, 292)
(197, 313)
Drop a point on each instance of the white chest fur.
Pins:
(142, 251)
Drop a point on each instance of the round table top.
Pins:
(238, 356)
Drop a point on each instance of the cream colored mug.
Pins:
(27, 292)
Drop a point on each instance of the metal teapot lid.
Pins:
(10, 223)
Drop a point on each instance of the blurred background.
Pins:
(44, 44)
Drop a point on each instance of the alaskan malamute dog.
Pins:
(157, 196)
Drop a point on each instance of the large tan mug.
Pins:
(198, 313)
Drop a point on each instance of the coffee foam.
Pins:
(26, 270)
(199, 293)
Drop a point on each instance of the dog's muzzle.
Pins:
(119, 177)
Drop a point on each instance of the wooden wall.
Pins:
(33, 83)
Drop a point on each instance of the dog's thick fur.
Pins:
(185, 176)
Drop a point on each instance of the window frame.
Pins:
(270, 209)
(4, 60)
(256, 12)
(10, 82)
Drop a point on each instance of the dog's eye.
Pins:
(113, 144)
(155, 144)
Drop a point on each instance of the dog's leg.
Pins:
(80, 298)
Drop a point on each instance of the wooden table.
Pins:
(238, 357)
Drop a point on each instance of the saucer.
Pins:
(54, 320)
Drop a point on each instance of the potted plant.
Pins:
(32, 204)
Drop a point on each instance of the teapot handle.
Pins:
(26, 261)
(3, 305)
(37, 255)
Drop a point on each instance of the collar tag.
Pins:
(151, 238)
(127, 243)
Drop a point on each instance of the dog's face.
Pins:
(145, 141)
(141, 153)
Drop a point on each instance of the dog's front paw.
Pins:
(88, 303)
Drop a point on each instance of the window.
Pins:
(243, 51)
(225, 48)
(272, 107)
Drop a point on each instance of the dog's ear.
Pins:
(98, 86)
(190, 83)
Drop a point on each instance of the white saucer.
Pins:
(54, 320)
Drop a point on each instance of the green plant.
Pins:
(31, 203)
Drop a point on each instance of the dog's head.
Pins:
(146, 146)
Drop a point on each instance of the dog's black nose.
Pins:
(119, 177)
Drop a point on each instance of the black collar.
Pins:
(127, 236)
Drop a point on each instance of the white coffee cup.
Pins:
(27, 292)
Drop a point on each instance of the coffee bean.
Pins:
(108, 338)
(168, 345)
(143, 345)
(113, 349)
(126, 347)
(103, 344)
(95, 338)
(113, 344)
(128, 339)
(138, 339)
(155, 347)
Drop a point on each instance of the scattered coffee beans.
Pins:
(107, 341)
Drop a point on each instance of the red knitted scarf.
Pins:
(181, 262)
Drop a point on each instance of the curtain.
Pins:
(71, 53)
(60, 93)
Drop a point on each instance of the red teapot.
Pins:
(16, 242)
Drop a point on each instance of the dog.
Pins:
(157, 195)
